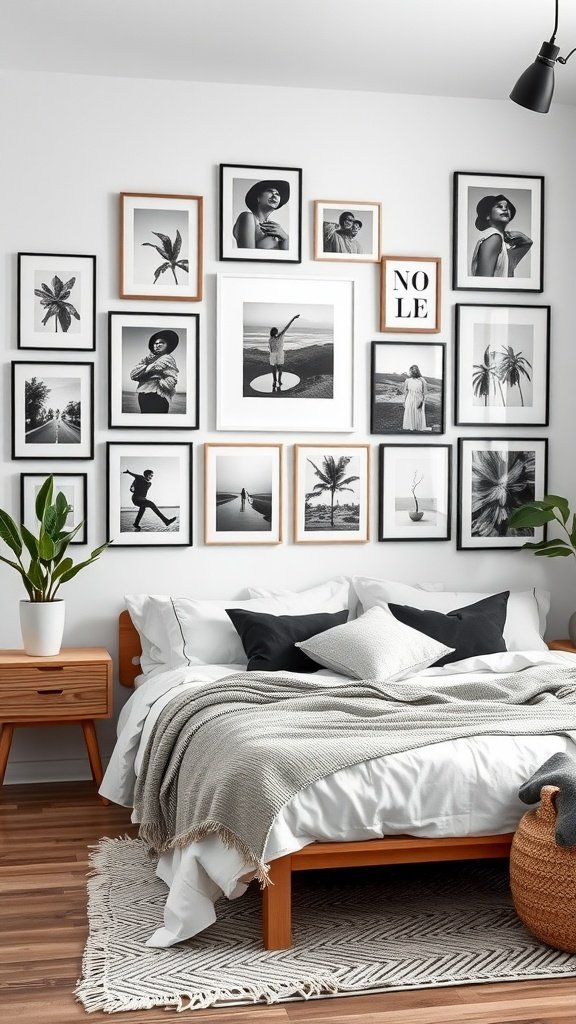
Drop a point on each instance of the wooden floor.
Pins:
(44, 835)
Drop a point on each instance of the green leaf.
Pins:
(30, 542)
(49, 519)
(46, 548)
(71, 573)
(523, 517)
(9, 533)
(64, 566)
(44, 497)
(573, 531)
(19, 569)
(62, 506)
(561, 504)
(544, 545)
(36, 576)
(98, 551)
(555, 553)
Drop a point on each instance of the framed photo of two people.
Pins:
(498, 240)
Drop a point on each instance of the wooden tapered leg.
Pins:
(277, 906)
(5, 744)
(91, 741)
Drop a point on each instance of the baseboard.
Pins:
(70, 770)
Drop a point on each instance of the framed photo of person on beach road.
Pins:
(149, 494)
(285, 354)
(260, 213)
(331, 493)
(243, 493)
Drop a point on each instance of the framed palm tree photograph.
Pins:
(495, 476)
(161, 246)
(331, 493)
(56, 302)
(502, 365)
(415, 492)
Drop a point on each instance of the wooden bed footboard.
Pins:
(277, 897)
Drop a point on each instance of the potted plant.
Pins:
(42, 613)
(551, 509)
(416, 515)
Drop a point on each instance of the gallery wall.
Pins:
(72, 143)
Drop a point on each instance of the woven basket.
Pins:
(543, 877)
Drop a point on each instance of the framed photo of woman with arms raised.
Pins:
(153, 370)
(498, 240)
(260, 213)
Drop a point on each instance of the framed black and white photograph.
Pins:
(415, 492)
(260, 213)
(153, 370)
(407, 392)
(410, 294)
(331, 493)
(74, 487)
(498, 232)
(149, 494)
(495, 476)
(52, 410)
(347, 231)
(285, 354)
(502, 365)
(243, 493)
(161, 239)
(56, 302)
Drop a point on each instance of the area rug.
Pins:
(406, 927)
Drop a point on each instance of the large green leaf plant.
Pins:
(49, 565)
(551, 509)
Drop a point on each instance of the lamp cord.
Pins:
(561, 60)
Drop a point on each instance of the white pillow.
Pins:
(525, 614)
(151, 628)
(374, 646)
(199, 632)
(339, 590)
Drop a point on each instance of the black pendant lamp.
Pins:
(535, 87)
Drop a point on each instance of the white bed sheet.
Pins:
(457, 788)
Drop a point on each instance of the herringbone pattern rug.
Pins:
(386, 928)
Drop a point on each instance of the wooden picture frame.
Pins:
(347, 231)
(172, 225)
(322, 524)
(410, 294)
(236, 508)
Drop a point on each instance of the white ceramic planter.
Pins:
(42, 626)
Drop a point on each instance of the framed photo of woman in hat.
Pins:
(153, 370)
(260, 213)
(498, 242)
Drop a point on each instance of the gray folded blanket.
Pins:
(559, 770)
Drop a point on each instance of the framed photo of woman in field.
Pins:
(243, 493)
(414, 498)
(407, 394)
(331, 493)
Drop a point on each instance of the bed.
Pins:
(181, 873)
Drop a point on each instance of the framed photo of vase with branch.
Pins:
(502, 365)
(414, 498)
(331, 493)
(161, 246)
(56, 302)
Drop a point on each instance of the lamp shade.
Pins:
(535, 87)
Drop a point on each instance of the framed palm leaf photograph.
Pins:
(502, 365)
(331, 493)
(495, 476)
(56, 302)
(161, 246)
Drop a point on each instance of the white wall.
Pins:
(70, 144)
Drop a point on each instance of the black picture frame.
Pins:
(384, 514)
(88, 305)
(395, 414)
(462, 500)
(82, 536)
(57, 453)
(120, 420)
(490, 369)
(148, 449)
(226, 212)
(465, 206)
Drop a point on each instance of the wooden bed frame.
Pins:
(277, 897)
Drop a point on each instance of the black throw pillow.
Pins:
(474, 630)
(268, 640)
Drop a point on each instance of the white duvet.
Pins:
(456, 788)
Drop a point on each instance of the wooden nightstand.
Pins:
(73, 686)
(562, 645)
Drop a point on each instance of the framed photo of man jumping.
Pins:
(149, 494)
(498, 232)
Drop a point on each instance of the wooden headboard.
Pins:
(128, 649)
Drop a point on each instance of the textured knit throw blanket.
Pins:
(224, 758)
(559, 770)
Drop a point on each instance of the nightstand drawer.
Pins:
(53, 691)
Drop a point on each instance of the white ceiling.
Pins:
(474, 48)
